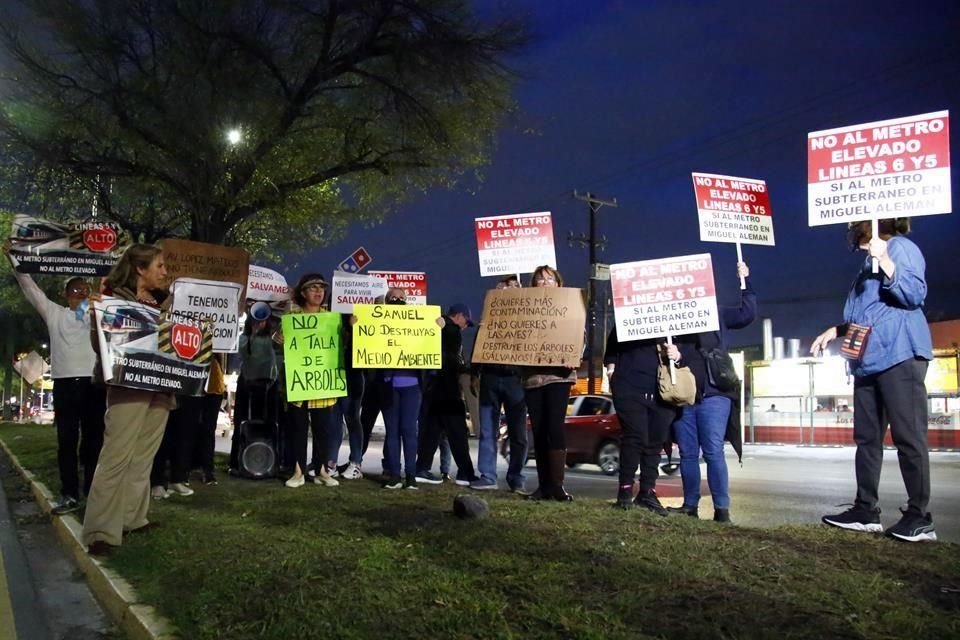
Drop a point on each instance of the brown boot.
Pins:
(558, 466)
(543, 492)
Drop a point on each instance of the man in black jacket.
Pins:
(443, 408)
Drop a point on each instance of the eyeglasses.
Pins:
(395, 300)
(76, 291)
(315, 287)
(546, 280)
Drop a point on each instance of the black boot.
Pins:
(625, 497)
(684, 510)
(721, 515)
(648, 500)
(544, 490)
(558, 467)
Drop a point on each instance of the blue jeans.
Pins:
(702, 427)
(506, 391)
(446, 456)
(349, 409)
(400, 420)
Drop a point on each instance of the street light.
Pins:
(234, 137)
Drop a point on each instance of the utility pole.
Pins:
(592, 243)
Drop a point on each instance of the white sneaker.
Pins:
(158, 492)
(181, 489)
(295, 481)
(325, 478)
(352, 472)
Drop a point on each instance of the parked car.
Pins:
(593, 433)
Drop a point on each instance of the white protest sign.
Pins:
(266, 285)
(516, 243)
(886, 169)
(413, 283)
(666, 297)
(208, 299)
(352, 288)
(733, 209)
(31, 367)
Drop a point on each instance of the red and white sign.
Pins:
(186, 340)
(666, 297)
(733, 209)
(516, 243)
(100, 240)
(354, 288)
(266, 285)
(887, 169)
(414, 283)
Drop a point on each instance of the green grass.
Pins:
(256, 560)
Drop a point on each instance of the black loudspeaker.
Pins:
(258, 455)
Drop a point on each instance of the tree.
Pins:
(226, 120)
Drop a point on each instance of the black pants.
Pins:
(205, 433)
(163, 471)
(898, 396)
(547, 406)
(454, 426)
(645, 425)
(300, 420)
(78, 408)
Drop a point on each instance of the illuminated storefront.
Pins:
(810, 401)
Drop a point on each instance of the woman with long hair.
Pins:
(134, 422)
(320, 416)
(547, 391)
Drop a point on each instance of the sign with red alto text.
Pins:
(666, 297)
(516, 243)
(83, 248)
(887, 169)
(413, 283)
(733, 209)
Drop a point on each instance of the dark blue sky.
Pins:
(626, 98)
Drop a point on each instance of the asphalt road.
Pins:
(776, 485)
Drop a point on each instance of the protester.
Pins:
(319, 416)
(349, 406)
(444, 410)
(400, 396)
(120, 494)
(470, 381)
(889, 376)
(547, 390)
(644, 417)
(501, 389)
(704, 425)
(78, 404)
(202, 434)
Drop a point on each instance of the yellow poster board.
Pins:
(390, 336)
(312, 356)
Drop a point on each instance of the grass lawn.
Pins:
(256, 560)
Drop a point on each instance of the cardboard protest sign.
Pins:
(216, 302)
(266, 285)
(733, 209)
(536, 326)
(313, 356)
(886, 169)
(396, 337)
(666, 297)
(87, 248)
(142, 348)
(413, 283)
(517, 243)
(189, 259)
(352, 288)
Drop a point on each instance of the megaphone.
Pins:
(260, 311)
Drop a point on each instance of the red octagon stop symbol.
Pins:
(186, 340)
(100, 240)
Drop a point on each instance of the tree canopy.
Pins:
(265, 123)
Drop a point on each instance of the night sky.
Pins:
(626, 98)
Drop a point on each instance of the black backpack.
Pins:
(720, 369)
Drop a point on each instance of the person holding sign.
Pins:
(644, 417)
(887, 342)
(319, 416)
(78, 404)
(546, 391)
(134, 422)
(704, 426)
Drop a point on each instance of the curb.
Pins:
(137, 620)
